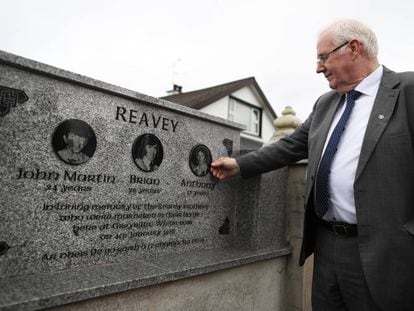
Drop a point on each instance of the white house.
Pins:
(241, 101)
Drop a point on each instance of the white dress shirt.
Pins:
(344, 165)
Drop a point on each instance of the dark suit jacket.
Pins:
(383, 186)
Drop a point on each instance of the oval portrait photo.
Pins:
(147, 152)
(200, 160)
(74, 141)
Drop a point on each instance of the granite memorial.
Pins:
(96, 178)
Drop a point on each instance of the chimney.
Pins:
(177, 89)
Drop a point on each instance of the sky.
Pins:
(146, 46)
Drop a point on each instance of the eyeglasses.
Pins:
(324, 57)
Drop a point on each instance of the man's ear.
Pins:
(355, 46)
(65, 139)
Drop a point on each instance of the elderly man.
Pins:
(359, 139)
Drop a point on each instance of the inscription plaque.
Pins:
(104, 189)
(95, 176)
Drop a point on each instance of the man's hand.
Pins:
(224, 167)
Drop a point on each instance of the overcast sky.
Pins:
(147, 45)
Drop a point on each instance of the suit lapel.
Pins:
(380, 116)
(322, 133)
(319, 135)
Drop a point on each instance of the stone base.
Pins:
(34, 292)
(257, 286)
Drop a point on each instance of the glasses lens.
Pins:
(321, 59)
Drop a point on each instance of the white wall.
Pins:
(247, 95)
(218, 108)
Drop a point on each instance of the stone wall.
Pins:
(105, 190)
(257, 286)
(277, 284)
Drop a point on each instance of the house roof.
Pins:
(200, 98)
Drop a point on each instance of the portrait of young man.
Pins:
(200, 160)
(147, 152)
(74, 141)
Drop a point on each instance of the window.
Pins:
(246, 114)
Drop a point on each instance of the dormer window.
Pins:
(246, 114)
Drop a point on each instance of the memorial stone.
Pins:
(96, 178)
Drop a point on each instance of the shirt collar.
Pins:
(370, 84)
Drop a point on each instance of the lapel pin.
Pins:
(381, 116)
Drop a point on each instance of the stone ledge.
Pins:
(38, 291)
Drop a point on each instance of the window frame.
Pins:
(231, 113)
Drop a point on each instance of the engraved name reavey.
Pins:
(144, 119)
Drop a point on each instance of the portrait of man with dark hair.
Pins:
(147, 152)
(74, 141)
(200, 160)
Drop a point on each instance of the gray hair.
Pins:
(349, 29)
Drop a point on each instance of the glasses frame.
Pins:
(321, 60)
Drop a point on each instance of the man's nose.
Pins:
(320, 68)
